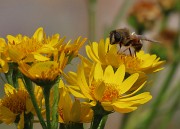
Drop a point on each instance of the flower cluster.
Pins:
(144, 14)
(105, 82)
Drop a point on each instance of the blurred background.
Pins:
(94, 19)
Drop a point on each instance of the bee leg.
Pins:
(128, 48)
(134, 53)
(120, 45)
(119, 48)
(130, 51)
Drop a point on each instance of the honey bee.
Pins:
(123, 37)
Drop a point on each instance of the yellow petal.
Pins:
(60, 119)
(8, 89)
(4, 66)
(47, 48)
(54, 40)
(29, 106)
(94, 47)
(40, 57)
(75, 92)
(125, 109)
(81, 80)
(138, 99)
(6, 115)
(38, 34)
(99, 91)
(76, 111)
(21, 122)
(3, 45)
(21, 84)
(12, 39)
(65, 103)
(107, 45)
(71, 77)
(90, 54)
(119, 75)
(108, 74)
(86, 114)
(101, 50)
(127, 84)
(15, 55)
(135, 90)
(107, 106)
(98, 72)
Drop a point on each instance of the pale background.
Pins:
(67, 17)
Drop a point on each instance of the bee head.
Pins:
(115, 37)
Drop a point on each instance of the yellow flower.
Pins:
(71, 49)
(145, 14)
(70, 111)
(167, 5)
(34, 48)
(110, 88)
(107, 54)
(15, 103)
(3, 56)
(3, 66)
(44, 73)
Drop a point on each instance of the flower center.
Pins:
(16, 102)
(110, 93)
(129, 61)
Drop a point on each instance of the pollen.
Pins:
(131, 62)
(111, 93)
(15, 102)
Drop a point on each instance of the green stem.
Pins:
(96, 121)
(172, 110)
(46, 92)
(28, 121)
(55, 106)
(103, 122)
(153, 112)
(8, 75)
(92, 19)
(29, 88)
(98, 117)
(38, 112)
(159, 98)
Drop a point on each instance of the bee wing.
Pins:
(147, 39)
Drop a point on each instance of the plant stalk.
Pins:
(46, 92)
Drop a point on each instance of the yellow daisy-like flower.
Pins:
(70, 111)
(3, 56)
(71, 49)
(15, 103)
(4, 66)
(35, 48)
(44, 73)
(109, 87)
(107, 54)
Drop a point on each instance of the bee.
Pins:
(123, 37)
